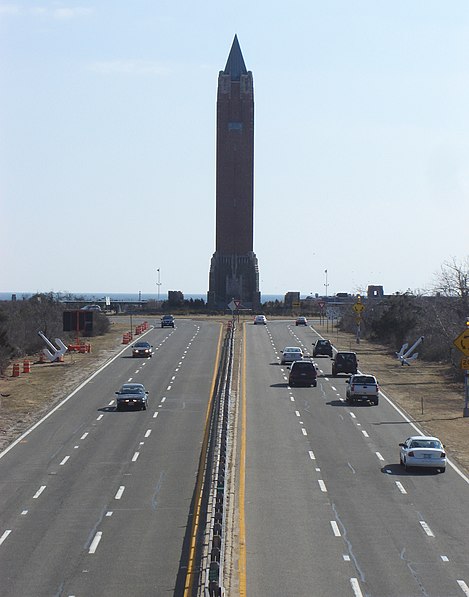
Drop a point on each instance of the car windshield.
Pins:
(292, 349)
(131, 390)
(349, 358)
(364, 379)
(303, 365)
(141, 345)
(426, 443)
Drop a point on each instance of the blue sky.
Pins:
(107, 142)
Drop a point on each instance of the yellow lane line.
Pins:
(198, 491)
(242, 478)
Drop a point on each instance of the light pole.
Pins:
(326, 284)
(158, 284)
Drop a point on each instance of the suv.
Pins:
(167, 321)
(322, 347)
(301, 321)
(302, 373)
(344, 362)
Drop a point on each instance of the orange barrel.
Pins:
(60, 358)
(26, 366)
(125, 339)
(16, 370)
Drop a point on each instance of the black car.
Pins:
(142, 349)
(167, 321)
(322, 348)
(302, 373)
(132, 395)
(344, 362)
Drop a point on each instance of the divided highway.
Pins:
(99, 502)
(95, 502)
(328, 511)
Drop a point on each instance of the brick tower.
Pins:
(234, 272)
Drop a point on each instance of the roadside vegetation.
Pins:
(20, 322)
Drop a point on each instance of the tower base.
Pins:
(234, 277)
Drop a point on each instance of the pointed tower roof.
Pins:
(235, 64)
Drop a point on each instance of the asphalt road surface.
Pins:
(328, 510)
(95, 502)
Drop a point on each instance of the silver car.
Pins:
(424, 451)
(290, 354)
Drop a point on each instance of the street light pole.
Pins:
(158, 284)
(326, 284)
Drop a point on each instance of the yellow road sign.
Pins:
(462, 342)
(465, 363)
(358, 307)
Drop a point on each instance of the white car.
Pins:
(260, 319)
(290, 354)
(422, 450)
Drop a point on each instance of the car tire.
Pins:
(315, 384)
(118, 406)
(401, 461)
(375, 402)
(443, 470)
(144, 406)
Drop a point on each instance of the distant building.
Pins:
(234, 272)
(175, 297)
(375, 292)
(292, 299)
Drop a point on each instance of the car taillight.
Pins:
(443, 455)
(411, 454)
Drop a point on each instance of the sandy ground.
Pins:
(421, 390)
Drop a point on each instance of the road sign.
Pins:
(321, 304)
(462, 342)
(237, 303)
(358, 307)
(232, 306)
(465, 363)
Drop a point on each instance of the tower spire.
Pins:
(235, 66)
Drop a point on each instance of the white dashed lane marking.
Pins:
(426, 528)
(38, 492)
(4, 536)
(95, 542)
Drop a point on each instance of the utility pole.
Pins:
(326, 284)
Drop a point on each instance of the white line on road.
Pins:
(353, 415)
(311, 455)
(100, 417)
(365, 433)
(297, 413)
(335, 389)
(109, 513)
(379, 456)
(464, 587)
(346, 558)
(426, 528)
(303, 431)
(64, 460)
(95, 542)
(4, 536)
(155, 415)
(135, 456)
(24, 513)
(38, 492)
(84, 435)
(445, 558)
(168, 388)
(76, 447)
(322, 485)
(356, 587)
(335, 528)
(130, 379)
(163, 399)
(148, 432)
(119, 493)
(292, 399)
(400, 487)
(111, 403)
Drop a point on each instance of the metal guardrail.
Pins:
(212, 568)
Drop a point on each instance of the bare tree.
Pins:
(453, 280)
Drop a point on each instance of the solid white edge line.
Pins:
(60, 404)
(95, 542)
